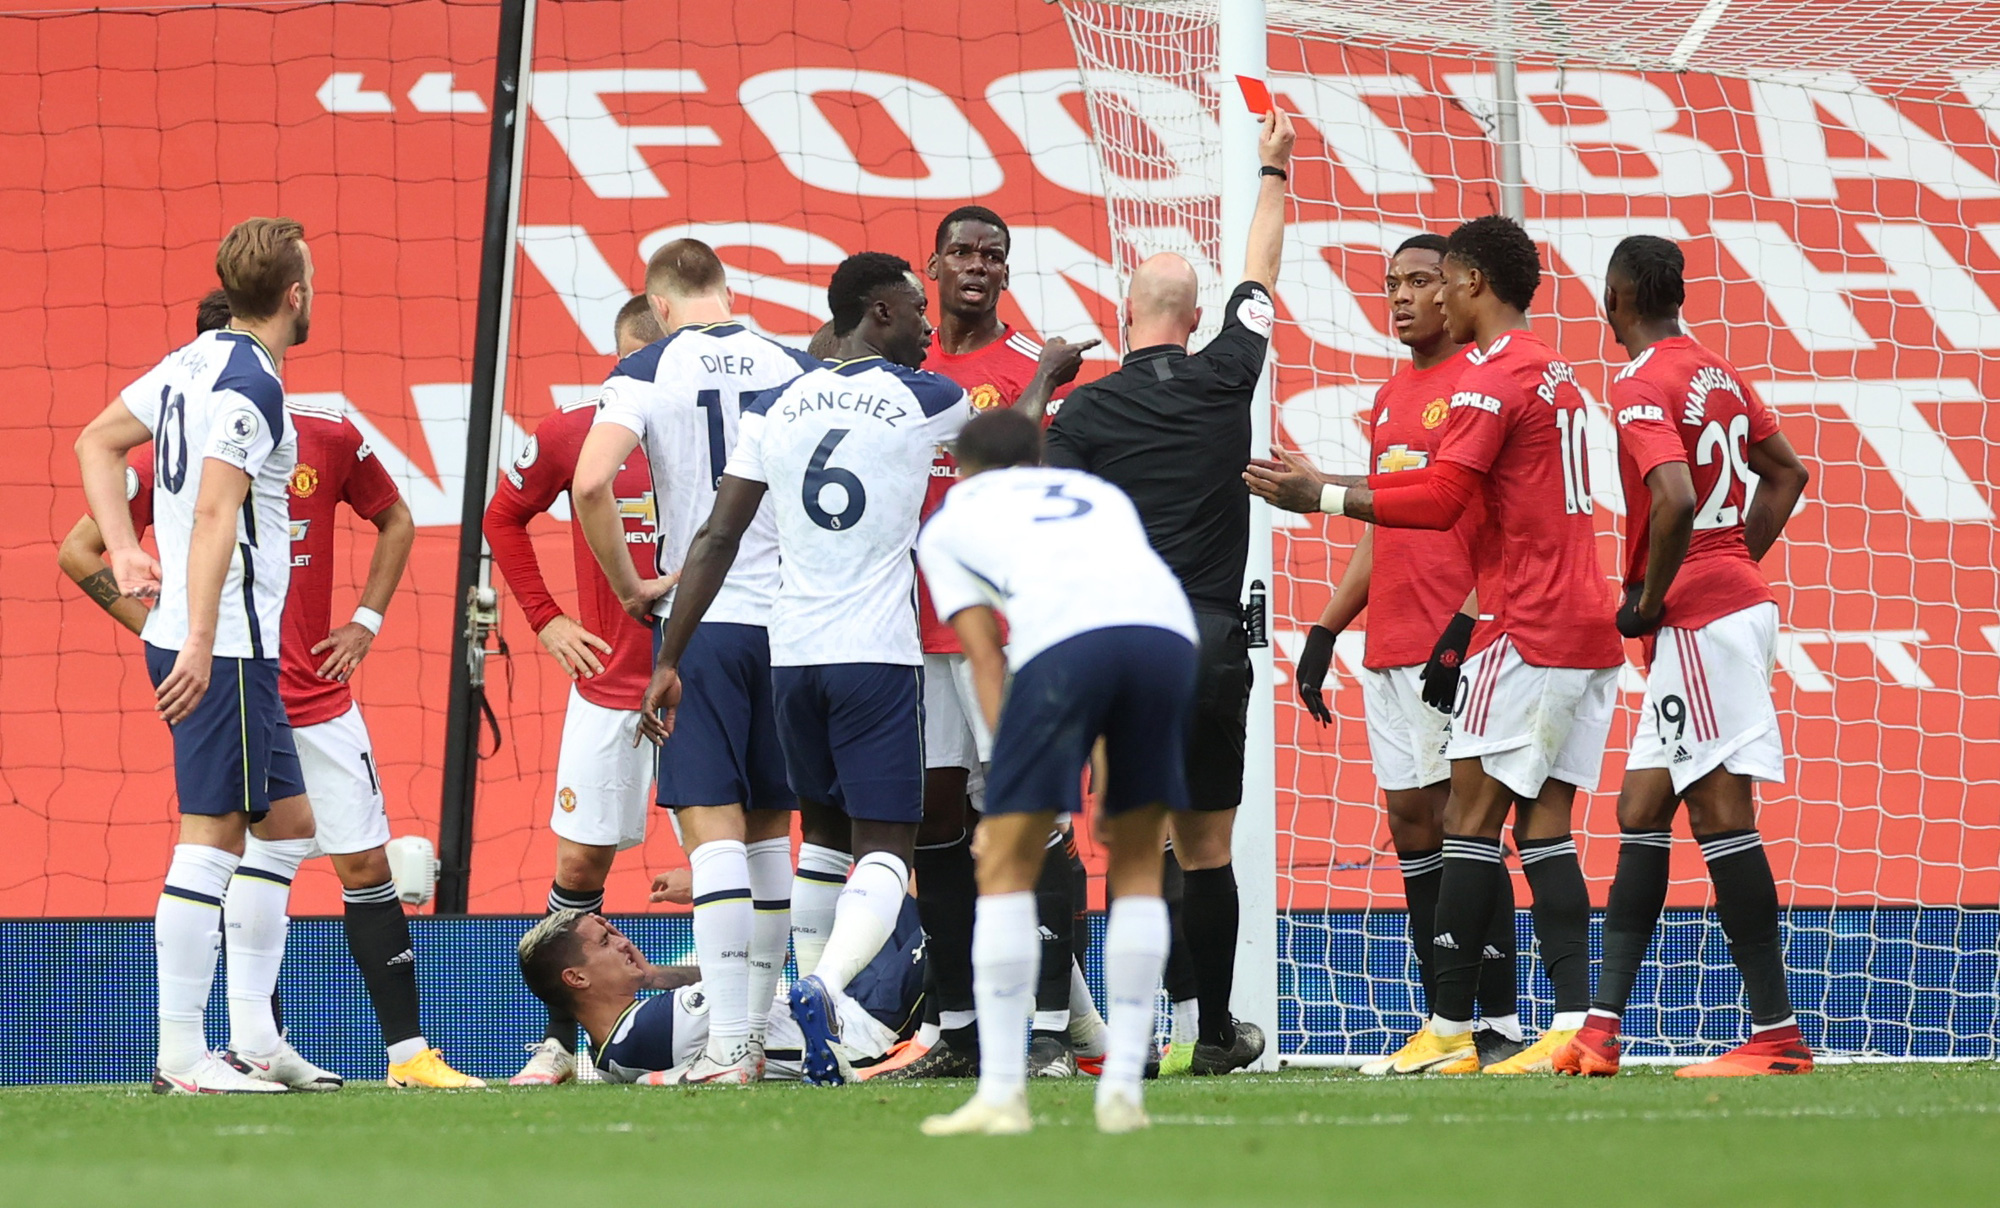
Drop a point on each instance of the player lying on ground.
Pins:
(1689, 429)
(582, 965)
(843, 453)
(223, 453)
(997, 365)
(1535, 705)
(1101, 644)
(602, 778)
(316, 661)
(1413, 583)
(721, 772)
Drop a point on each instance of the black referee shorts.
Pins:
(1221, 713)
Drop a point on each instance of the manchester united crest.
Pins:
(305, 480)
(1435, 411)
(566, 799)
(985, 398)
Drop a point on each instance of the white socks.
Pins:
(722, 926)
(1135, 958)
(1086, 1026)
(864, 917)
(254, 930)
(815, 894)
(770, 866)
(1187, 1021)
(187, 928)
(1006, 960)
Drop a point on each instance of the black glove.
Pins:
(1311, 673)
(1440, 674)
(1630, 623)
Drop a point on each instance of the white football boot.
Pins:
(550, 1065)
(286, 1067)
(212, 1076)
(1120, 1112)
(982, 1117)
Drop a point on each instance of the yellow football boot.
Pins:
(428, 1069)
(1537, 1058)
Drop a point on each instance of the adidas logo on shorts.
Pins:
(1445, 941)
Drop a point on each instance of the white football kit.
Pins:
(846, 452)
(1061, 552)
(220, 397)
(684, 396)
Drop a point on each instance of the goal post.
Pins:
(1832, 170)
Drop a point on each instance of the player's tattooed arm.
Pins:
(1287, 480)
(82, 559)
(670, 977)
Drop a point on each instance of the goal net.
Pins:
(1833, 172)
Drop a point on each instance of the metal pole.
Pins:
(1241, 50)
(474, 599)
(1507, 113)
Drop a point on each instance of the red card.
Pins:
(1255, 94)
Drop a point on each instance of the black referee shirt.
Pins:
(1173, 431)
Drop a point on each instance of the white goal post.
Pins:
(1832, 169)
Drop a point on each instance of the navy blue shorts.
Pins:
(1134, 685)
(233, 753)
(853, 735)
(724, 749)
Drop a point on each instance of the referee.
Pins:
(1170, 429)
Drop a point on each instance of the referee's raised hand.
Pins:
(1274, 145)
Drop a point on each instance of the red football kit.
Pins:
(1420, 576)
(1514, 443)
(1680, 402)
(529, 487)
(995, 376)
(335, 466)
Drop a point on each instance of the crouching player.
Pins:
(579, 964)
(1688, 430)
(1102, 644)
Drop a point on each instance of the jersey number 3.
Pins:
(820, 476)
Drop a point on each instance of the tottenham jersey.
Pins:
(846, 451)
(220, 397)
(684, 397)
(1061, 552)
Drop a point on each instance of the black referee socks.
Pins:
(1209, 914)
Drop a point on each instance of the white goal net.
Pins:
(1833, 171)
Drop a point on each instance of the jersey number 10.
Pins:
(1575, 461)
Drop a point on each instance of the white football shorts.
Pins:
(604, 782)
(1406, 737)
(955, 733)
(1527, 724)
(1708, 701)
(338, 763)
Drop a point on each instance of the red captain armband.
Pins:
(1435, 503)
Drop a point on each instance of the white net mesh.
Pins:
(1841, 228)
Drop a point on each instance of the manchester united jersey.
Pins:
(529, 487)
(993, 376)
(1420, 576)
(334, 466)
(1680, 402)
(1517, 420)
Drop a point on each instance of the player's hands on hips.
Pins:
(651, 591)
(186, 684)
(1447, 661)
(676, 886)
(1285, 480)
(344, 648)
(574, 647)
(1274, 144)
(1311, 673)
(1060, 359)
(1634, 621)
(656, 708)
(137, 572)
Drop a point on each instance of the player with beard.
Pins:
(996, 364)
(603, 780)
(1689, 429)
(1413, 584)
(1531, 729)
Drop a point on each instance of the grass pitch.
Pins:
(1874, 1135)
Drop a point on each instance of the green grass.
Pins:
(1873, 1135)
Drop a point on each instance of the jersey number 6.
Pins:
(820, 476)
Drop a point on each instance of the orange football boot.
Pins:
(1781, 1055)
(1592, 1052)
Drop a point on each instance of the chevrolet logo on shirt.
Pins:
(1400, 457)
(299, 528)
(642, 510)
